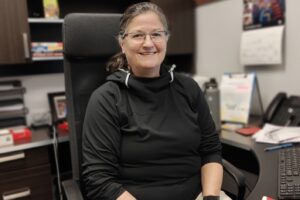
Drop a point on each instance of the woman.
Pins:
(148, 132)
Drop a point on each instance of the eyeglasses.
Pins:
(139, 37)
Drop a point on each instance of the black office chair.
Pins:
(89, 41)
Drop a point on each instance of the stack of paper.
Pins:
(274, 134)
(12, 108)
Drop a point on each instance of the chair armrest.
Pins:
(71, 190)
(237, 176)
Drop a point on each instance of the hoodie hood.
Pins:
(155, 84)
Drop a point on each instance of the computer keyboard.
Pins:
(289, 173)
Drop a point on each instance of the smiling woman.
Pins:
(144, 54)
(143, 38)
(148, 132)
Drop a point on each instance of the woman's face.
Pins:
(145, 44)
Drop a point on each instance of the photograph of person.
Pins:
(263, 13)
(60, 107)
(148, 133)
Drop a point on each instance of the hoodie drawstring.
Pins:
(171, 73)
(127, 77)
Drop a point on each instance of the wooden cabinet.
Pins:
(26, 175)
(180, 14)
(181, 45)
(15, 28)
(14, 32)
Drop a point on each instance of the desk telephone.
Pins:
(283, 110)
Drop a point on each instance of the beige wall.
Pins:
(218, 34)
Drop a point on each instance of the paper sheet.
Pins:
(274, 134)
(236, 93)
(262, 46)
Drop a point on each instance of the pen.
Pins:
(281, 146)
(274, 130)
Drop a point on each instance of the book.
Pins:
(44, 47)
(47, 49)
(51, 9)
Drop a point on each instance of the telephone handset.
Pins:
(283, 110)
(274, 105)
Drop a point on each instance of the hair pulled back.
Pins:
(118, 61)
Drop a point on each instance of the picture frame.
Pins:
(58, 106)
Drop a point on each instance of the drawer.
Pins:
(23, 159)
(31, 183)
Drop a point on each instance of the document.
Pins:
(236, 96)
(274, 134)
(262, 46)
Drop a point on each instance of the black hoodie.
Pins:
(149, 136)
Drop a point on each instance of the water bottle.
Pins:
(212, 95)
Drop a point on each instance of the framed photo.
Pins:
(58, 106)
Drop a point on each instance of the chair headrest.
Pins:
(90, 35)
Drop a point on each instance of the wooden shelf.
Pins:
(44, 20)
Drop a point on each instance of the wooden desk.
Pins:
(267, 161)
(25, 168)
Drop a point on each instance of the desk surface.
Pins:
(267, 180)
(40, 137)
(267, 161)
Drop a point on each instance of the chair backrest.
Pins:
(89, 41)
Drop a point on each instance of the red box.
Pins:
(20, 133)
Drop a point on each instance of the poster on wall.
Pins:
(263, 13)
(262, 38)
